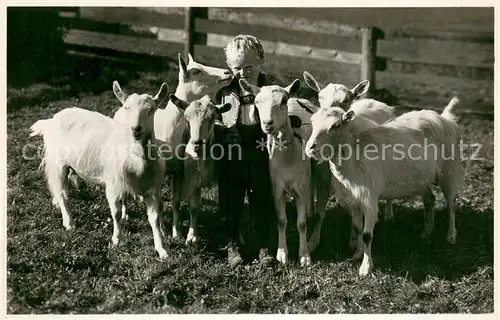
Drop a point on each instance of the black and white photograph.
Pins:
(249, 160)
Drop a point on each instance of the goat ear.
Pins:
(249, 87)
(122, 96)
(311, 82)
(305, 105)
(182, 65)
(181, 104)
(294, 87)
(162, 94)
(190, 58)
(361, 88)
(295, 121)
(223, 108)
(348, 116)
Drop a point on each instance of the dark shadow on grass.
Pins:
(400, 250)
(397, 247)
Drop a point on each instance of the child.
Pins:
(250, 173)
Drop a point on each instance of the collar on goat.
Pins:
(250, 98)
(348, 116)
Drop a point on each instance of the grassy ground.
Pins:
(53, 271)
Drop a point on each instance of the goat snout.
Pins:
(136, 130)
(268, 122)
(197, 144)
(228, 76)
(311, 149)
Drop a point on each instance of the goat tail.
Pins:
(39, 127)
(448, 110)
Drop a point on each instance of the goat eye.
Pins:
(195, 71)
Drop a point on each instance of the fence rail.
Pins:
(458, 61)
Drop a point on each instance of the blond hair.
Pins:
(245, 44)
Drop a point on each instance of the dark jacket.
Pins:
(228, 128)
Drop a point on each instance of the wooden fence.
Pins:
(423, 66)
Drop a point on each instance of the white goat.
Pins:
(290, 169)
(361, 181)
(123, 157)
(338, 95)
(300, 111)
(199, 168)
(171, 129)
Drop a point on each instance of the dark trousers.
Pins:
(248, 174)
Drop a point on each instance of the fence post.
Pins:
(189, 29)
(369, 53)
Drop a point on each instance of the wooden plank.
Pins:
(68, 14)
(424, 90)
(445, 70)
(107, 57)
(164, 34)
(106, 27)
(138, 60)
(112, 21)
(284, 49)
(437, 51)
(299, 23)
(368, 40)
(299, 37)
(486, 37)
(137, 45)
(177, 36)
(288, 68)
(132, 16)
(385, 18)
(164, 10)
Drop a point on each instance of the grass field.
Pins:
(50, 270)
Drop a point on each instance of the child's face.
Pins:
(244, 66)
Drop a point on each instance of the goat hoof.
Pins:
(305, 261)
(176, 234)
(163, 254)
(191, 241)
(69, 226)
(365, 269)
(282, 256)
(114, 242)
